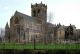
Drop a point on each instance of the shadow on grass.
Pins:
(28, 51)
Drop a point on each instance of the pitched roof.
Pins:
(26, 17)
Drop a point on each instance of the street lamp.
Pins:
(34, 43)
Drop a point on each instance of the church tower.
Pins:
(39, 11)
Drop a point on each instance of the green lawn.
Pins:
(39, 46)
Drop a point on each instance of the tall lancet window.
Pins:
(16, 20)
(38, 12)
(34, 13)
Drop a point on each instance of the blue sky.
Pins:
(63, 11)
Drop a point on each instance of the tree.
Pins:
(50, 17)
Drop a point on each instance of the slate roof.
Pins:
(26, 17)
(50, 24)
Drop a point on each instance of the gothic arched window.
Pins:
(16, 20)
(39, 11)
(34, 12)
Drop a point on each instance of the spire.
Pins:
(7, 26)
(31, 3)
(16, 11)
(59, 24)
(41, 2)
(70, 24)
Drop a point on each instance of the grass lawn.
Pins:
(39, 46)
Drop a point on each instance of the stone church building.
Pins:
(26, 29)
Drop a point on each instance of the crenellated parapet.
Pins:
(38, 5)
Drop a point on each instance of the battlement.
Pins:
(38, 5)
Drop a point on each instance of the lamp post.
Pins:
(69, 33)
(60, 35)
(9, 37)
(34, 43)
(24, 37)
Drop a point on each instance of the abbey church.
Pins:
(24, 28)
